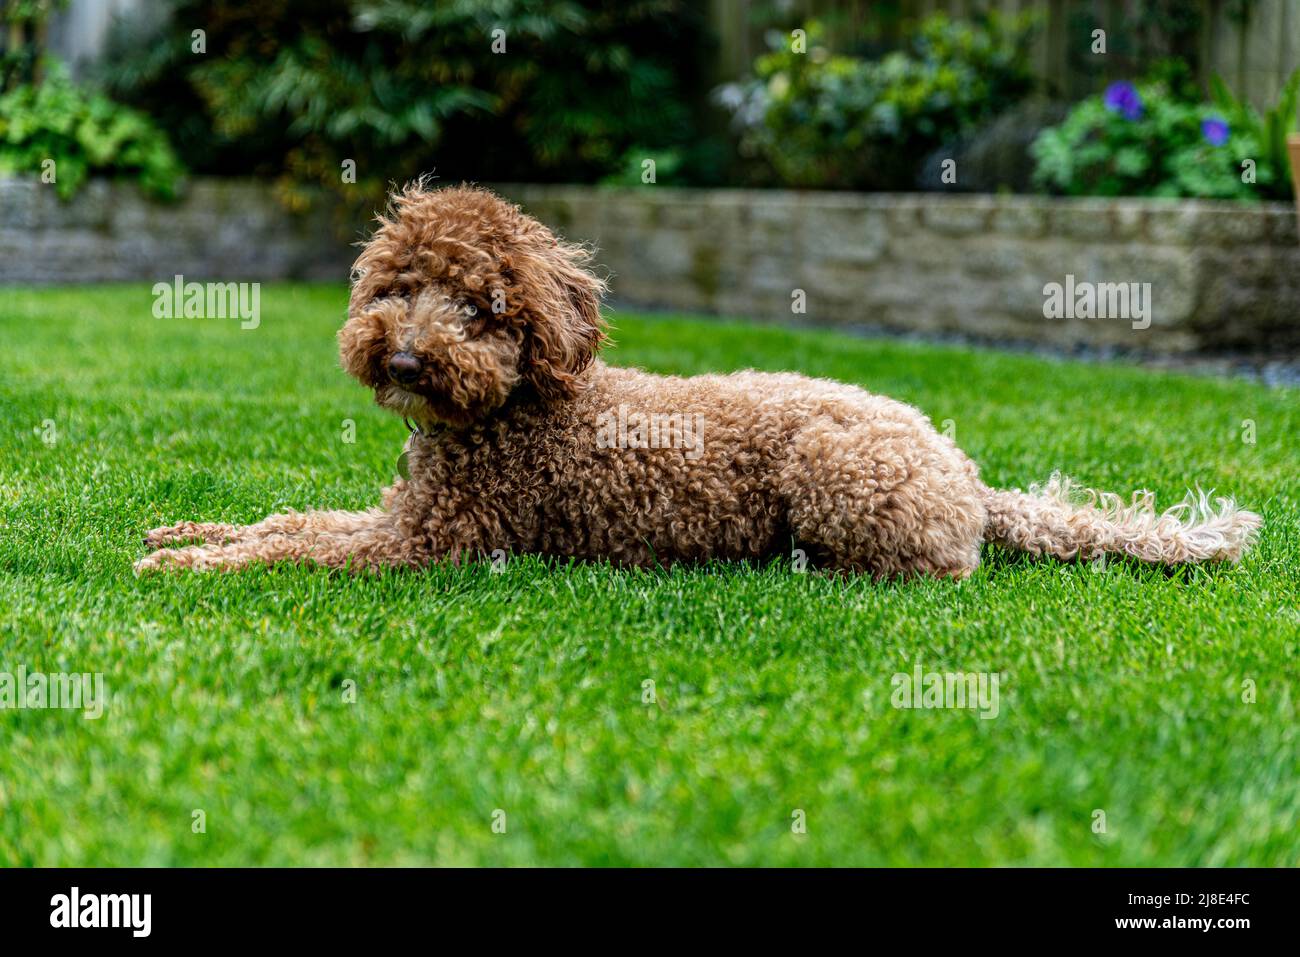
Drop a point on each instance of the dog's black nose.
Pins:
(404, 367)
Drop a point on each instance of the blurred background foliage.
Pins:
(62, 131)
(51, 127)
(820, 119)
(293, 88)
(796, 93)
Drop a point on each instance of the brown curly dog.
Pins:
(476, 323)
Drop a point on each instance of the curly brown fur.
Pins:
(474, 321)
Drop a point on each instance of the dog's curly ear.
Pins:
(565, 328)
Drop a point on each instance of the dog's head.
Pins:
(458, 299)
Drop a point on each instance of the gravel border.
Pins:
(1272, 371)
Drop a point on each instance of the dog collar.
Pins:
(404, 460)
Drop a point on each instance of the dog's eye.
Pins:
(473, 320)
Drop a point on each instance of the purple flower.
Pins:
(1122, 98)
(1215, 130)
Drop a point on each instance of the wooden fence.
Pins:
(1253, 44)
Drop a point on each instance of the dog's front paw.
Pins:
(210, 533)
(198, 558)
(156, 562)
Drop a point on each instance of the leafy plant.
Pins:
(1269, 130)
(826, 120)
(1149, 139)
(82, 133)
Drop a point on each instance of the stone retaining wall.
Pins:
(1222, 275)
(227, 230)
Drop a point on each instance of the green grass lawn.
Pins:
(523, 690)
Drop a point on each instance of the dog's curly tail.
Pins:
(1066, 521)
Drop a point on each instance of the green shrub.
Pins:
(826, 120)
(83, 133)
(1154, 139)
